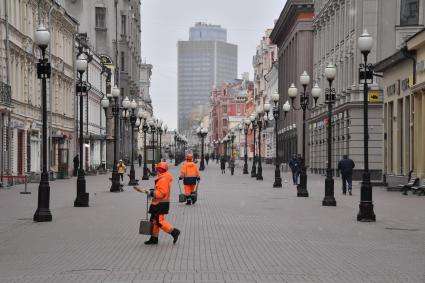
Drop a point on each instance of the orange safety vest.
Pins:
(189, 169)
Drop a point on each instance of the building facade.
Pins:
(21, 90)
(228, 110)
(397, 71)
(204, 61)
(337, 26)
(265, 65)
(417, 105)
(293, 34)
(114, 29)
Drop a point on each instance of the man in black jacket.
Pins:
(345, 166)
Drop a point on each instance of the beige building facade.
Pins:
(398, 116)
(417, 43)
(21, 123)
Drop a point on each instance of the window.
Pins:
(409, 12)
(224, 122)
(100, 17)
(122, 61)
(224, 108)
(123, 25)
(238, 108)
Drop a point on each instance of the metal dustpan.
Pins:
(182, 197)
(146, 226)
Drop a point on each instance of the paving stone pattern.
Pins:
(240, 230)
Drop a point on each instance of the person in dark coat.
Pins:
(223, 164)
(207, 158)
(140, 160)
(232, 166)
(76, 161)
(345, 166)
(294, 164)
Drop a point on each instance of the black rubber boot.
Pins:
(175, 233)
(188, 201)
(152, 241)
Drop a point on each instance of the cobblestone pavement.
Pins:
(241, 230)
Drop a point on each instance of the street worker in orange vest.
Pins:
(190, 175)
(160, 204)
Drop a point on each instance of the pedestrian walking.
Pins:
(76, 161)
(345, 166)
(160, 204)
(232, 166)
(295, 168)
(140, 160)
(223, 165)
(121, 170)
(190, 175)
(207, 158)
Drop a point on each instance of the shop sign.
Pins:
(375, 96)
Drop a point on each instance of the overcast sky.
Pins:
(164, 22)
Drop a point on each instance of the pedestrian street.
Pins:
(240, 230)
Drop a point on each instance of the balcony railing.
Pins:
(5, 94)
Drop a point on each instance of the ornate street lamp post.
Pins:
(133, 118)
(231, 138)
(115, 187)
(253, 118)
(82, 199)
(43, 214)
(261, 122)
(152, 124)
(276, 115)
(329, 199)
(161, 130)
(304, 105)
(246, 123)
(366, 213)
(176, 136)
(202, 133)
(143, 116)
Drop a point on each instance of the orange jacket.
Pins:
(162, 188)
(189, 169)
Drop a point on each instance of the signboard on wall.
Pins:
(375, 96)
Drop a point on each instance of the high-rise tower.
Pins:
(205, 60)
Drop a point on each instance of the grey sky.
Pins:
(164, 22)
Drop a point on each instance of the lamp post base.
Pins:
(115, 187)
(82, 199)
(145, 173)
(259, 174)
(302, 187)
(202, 165)
(329, 199)
(245, 169)
(277, 179)
(133, 181)
(253, 171)
(42, 215)
(366, 213)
